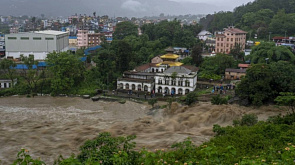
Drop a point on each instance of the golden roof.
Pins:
(170, 56)
(170, 63)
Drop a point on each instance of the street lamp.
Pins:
(266, 59)
(269, 35)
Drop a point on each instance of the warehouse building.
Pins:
(37, 43)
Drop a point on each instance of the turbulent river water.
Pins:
(51, 126)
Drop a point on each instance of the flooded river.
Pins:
(50, 126)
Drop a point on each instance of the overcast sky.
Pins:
(129, 8)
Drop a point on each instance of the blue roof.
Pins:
(109, 39)
(72, 37)
(86, 51)
(83, 59)
(40, 64)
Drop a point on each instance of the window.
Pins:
(166, 81)
(217, 39)
(227, 39)
(160, 81)
(231, 39)
(180, 83)
(221, 44)
(24, 38)
(217, 44)
(11, 38)
(49, 39)
(173, 82)
(227, 45)
(187, 83)
(221, 39)
(36, 38)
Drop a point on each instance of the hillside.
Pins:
(260, 17)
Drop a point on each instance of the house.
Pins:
(165, 77)
(229, 38)
(234, 74)
(244, 66)
(6, 83)
(203, 35)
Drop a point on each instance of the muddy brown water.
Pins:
(50, 126)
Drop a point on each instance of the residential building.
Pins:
(234, 74)
(94, 39)
(82, 38)
(88, 38)
(203, 35)
(2, 45)
(6, 83)
(38, 43)
(229, 38)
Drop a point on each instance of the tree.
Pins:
(197, 54)
(268, 52)
(67, 72)
(264, 82)
(7, 66)
(31, 72)
(237, 52)
(287, 99)
(216, 65)
(124, 29)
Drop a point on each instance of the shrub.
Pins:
(218, 100)
(152, 102)
(191, 98)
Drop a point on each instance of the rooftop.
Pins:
(170, 56)
(170, 63)
(235, 30)
(178, 69)
(236, 70)
(51, 32)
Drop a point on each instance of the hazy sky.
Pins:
(129, 8)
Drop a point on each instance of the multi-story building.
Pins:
(94, 39)
(38, 43)
(229, 38)
(165, 77)
(82, 38)
(87, 38)
(2, 45)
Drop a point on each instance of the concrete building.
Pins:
(2, 45)
(226, 40)
(82, 38)
(203, 35)
(88, 38)
(94, 39)
(166, 77)
(6, 83)
(38, 43)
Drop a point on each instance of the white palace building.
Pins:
(168, 76)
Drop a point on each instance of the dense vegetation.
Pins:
(248, 142)
(260, 17)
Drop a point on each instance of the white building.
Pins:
(203, 35)
(5, 83)
(38, 43)
(182, 82)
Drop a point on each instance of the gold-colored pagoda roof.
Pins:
(170, 63)
(169, 56)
